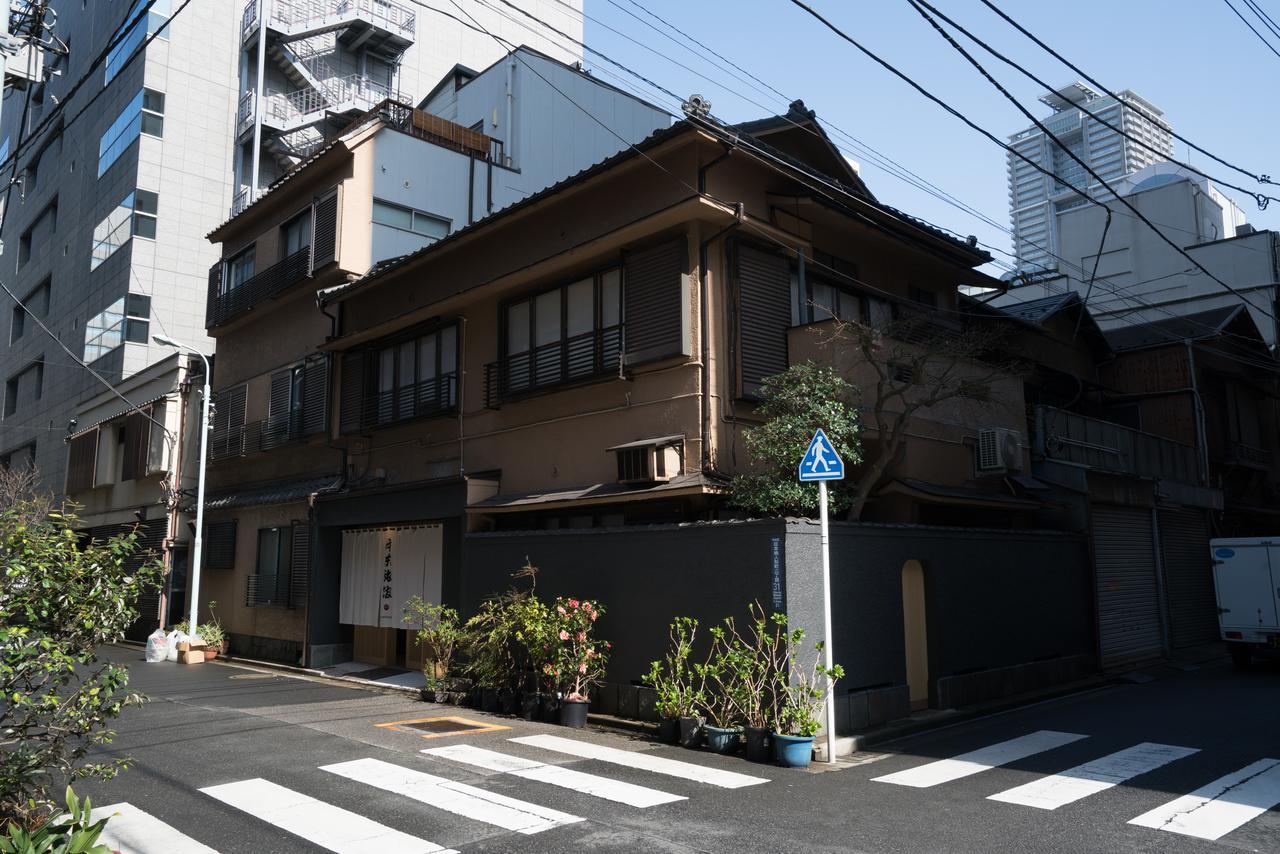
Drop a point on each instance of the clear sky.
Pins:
(1194, 59)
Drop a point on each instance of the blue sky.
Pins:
(1195, 60)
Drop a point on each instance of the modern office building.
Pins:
(1036, 200)
(117, 184)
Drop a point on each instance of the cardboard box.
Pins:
(194, 656)
(189, 646)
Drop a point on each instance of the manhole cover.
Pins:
(437, 727)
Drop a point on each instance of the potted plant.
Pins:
(580, 657)
(686, 692)
(536, 628)
(439, 633)
(722, 690)
(666, 702)
(209, 631)
(755, 661)
(800, 692)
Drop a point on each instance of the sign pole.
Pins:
(826, 622)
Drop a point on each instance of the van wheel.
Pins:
(1241, 656)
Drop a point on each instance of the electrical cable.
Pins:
(990, 4)
(1262, 199)
(919, 5)
(1266, 19)
(1253, 29)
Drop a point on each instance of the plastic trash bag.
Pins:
(157, 646)
(175, 637)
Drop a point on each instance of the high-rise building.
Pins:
(117, 184)
(1036, 200)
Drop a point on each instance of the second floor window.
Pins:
(240, 268)
(296, 234)
(564, 333)
(417, 377)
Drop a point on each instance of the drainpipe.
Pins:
(510, 143)
(703, 288)
(333, 318)
(259, 100)
(184, 396)
(1201, 440)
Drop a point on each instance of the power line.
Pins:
(1262, 179)
(1261, 198)
(919, 6)
(1252, 28)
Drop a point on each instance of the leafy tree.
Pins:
(796, 402)
(61, 598)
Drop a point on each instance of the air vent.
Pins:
(650, 460)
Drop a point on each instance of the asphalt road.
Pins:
(279, 759)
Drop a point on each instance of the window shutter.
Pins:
(82, 461)
(655, 310)
(137, 438)
(351, 393)
(220, 544)
(764, 313)
(215, 289)
(227, 439)
(315, 394)
(278, 410)
(300, 565)
(156, 458)
(324, 241)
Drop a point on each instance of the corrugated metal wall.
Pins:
(1193, 604)
(1129, 624)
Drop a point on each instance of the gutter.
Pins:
(703, 288)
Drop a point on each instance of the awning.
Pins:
(279, 492)
(123, 411)
(933, 493)
(599, 493)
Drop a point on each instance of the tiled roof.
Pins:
(280, 492)
(1202, 324)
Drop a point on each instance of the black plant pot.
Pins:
(508, 701)
(530, 705)
(758, 747)
(475, 696)
(489, 700)
(691, 731)
(549, 709)
(573, 713)
(668, 730)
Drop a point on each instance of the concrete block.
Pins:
(899, 702)
(628, 701)
(604, 700)
(646, 704)
(858, 715)
(879, 707)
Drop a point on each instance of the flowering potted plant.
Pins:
(580, 658)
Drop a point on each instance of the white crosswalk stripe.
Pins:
(1056, 790)
(1227, 803)
(325, 825)
(977, 761)
(130, 830)
(457, 798)
(643, 761)
(555, 775)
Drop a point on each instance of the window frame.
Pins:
(402, 399)
(135, 214)
(300, 216)
(131, 123)
(414, 214)
(228, 283)
(128, 326)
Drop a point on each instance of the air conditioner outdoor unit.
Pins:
(999, 450)
(650, 461)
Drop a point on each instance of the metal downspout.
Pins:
(703, 299)
(259, 99)
(1202, 457)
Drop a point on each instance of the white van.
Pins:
(1246, 573)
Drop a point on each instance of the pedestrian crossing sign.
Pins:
(820, 461)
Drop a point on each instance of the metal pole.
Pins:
(826, 622)
(259, 99)
(194, 592)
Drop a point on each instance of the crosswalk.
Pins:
(433, 800)
(1210, 812)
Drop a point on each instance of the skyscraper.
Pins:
(117, 184)
(1035, 199)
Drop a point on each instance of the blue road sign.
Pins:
(821, 462)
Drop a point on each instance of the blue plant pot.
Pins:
(793, 751)
(723, 739)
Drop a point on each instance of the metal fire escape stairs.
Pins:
(297, 123)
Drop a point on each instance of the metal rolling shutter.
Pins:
(1193, 604)
(654, 312)
(1128, 603)
(764, 313)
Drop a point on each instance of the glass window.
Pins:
(135, 215)
(239, 269)
(139, 27)
(144, 114)
(518, 327)
(421, 222)
(297, 233)
(104, 331)
(610, 298)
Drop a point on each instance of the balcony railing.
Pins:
(572, 360)
(232, 302)
(344, 93)
(240, 201)
(265, 590)
(1101, 445)
(304, 14)
(1248, 456)
(248, 19)
(432, 128)
(244, 112)
(427, 399)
